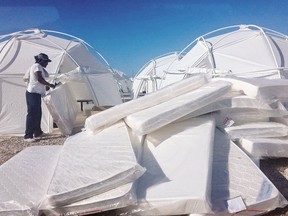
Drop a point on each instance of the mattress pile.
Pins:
(189, 148)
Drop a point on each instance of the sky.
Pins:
(129, 33)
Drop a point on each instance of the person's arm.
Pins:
(43, 81)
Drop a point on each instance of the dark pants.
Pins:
(34, 115)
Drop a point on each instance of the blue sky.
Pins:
(128, 33)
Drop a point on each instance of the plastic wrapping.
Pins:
(230, 102)
(108, 117)
(63, 108)
(119, 197)
(260, 148)
(235, 117)
(92, 164)
(260, 88)
(257, 129)
(153, 118)
(236, 175)
(24, 180)
(178, 159)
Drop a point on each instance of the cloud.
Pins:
(22, 18)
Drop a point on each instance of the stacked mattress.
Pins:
(188, 148)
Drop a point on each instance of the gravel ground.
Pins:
(275, 169)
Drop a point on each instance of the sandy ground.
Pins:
(275, 169)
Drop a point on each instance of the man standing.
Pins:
(37, 86)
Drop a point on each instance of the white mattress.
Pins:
(235, 175)
(237, 102)
(259, 148)
(153, 118)
(257, 129)
(24, 180)
(235, 117)
(63, 108)
(119, 197)
(178, 162)
(108, 117)
(92, 164)
(260, 88)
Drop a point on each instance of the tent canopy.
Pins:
(73, 61)
(241, 50)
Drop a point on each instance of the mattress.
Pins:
(178, 162)
(257, 129)
(119, 197)
(108, 117)
(24, 180)
(236, 176)
(153, 118)
(63, 108)
(241, 103)
(92, 164)
(260, 88)
(260, 148)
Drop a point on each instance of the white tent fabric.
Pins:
(241, 50)
(125, 84)
(72, 59)
(149, 76)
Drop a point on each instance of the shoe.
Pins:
(40, 136)
(29, 140)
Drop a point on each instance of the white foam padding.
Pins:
(63, 108)
(153, 118)
(93, 164)
(236, 175)
(178, 159)
(260, 148)
(24, 180)
(257, 129)
(119, 197)
(235, 117)
(236, 102)
(114, 114)
(260, 88)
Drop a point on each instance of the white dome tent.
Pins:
(73, 61)
(124, 83)
(148, 78)
(241, 50)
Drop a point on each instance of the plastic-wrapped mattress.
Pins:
(63, 108)
(260, 88)
(257, 129)
(235, 176)
(153, 118)
(24, 180)
(92, 164)
(178, 162)
(108, 117)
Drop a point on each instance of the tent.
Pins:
(150, 75)
(74, 62)
(240, 50)
(125, 84)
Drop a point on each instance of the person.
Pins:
(36, 88)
